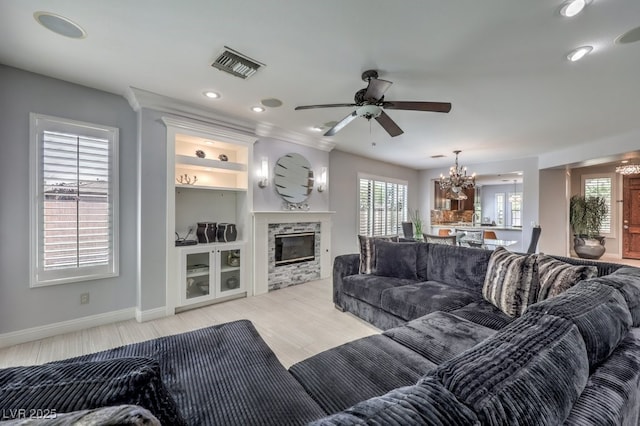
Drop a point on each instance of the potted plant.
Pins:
(585, 216)
(417, 224)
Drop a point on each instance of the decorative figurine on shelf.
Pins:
(200, 154)
(233, 259)
(185, 179)
(223, 157)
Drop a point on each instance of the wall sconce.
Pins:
(263, 174)
(322, 180)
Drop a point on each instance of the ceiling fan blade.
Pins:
(323, 106)
(376, 89)
(418, 106)
(335, 129)
(388, 124)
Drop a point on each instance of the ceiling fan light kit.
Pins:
(370, 103)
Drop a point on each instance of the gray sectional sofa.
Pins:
(447, 355)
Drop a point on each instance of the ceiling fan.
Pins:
(370, 104)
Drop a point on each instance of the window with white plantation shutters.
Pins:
(383, 206)
(74, 202)
(601, 186)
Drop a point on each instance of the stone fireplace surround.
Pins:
(263, 251)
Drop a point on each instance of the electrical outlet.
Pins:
(84, 298)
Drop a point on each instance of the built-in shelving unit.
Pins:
(214, 165)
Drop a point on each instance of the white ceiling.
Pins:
(501, 63)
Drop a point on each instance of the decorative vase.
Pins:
(201, 232)
(211, 232)
(589, 248)
(227, 232)
(232, 282)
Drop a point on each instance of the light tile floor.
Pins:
(296, 322)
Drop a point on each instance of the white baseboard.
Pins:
(50, 330)
(150, 314)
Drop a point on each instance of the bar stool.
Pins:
(491, 235)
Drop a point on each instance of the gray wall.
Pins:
(267, 199)
(22, 307)
(343, 194)
(554, 212)
(153, 239)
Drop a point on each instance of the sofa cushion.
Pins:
(511, 282)
(612, 394)
(368, 252)
(417, 299)
(556, 276)
(358, 370)
(484, 313)
(120, 415)
(369, 288)
(396, 260)
(439, 336)
(66, 387)
(627, 282)
(529, 373)
(459, 266)
(427, 403)
(229, 364)
(600, 313)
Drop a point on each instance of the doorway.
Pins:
(631, 217)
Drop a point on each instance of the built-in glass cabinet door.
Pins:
(231, 263)
(198, 274)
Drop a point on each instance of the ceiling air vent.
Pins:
(235, 63)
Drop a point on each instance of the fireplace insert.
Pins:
(295, 248)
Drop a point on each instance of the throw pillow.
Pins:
(67, 387)
(398, 260)
(556, 276)
(368, 252)
(511, 283)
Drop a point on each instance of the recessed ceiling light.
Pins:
(212, 95)
(59, 24)
(572, 8)
(316, 128)
(271, 103)
(209, 142)
(579, 53)
(257, 109)
(624, 161)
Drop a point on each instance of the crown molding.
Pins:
(223, 133)
(139, 98)
(269, 131)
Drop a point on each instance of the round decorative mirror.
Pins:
(293, 178)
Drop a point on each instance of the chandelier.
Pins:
(628, 169)
(457, 181)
